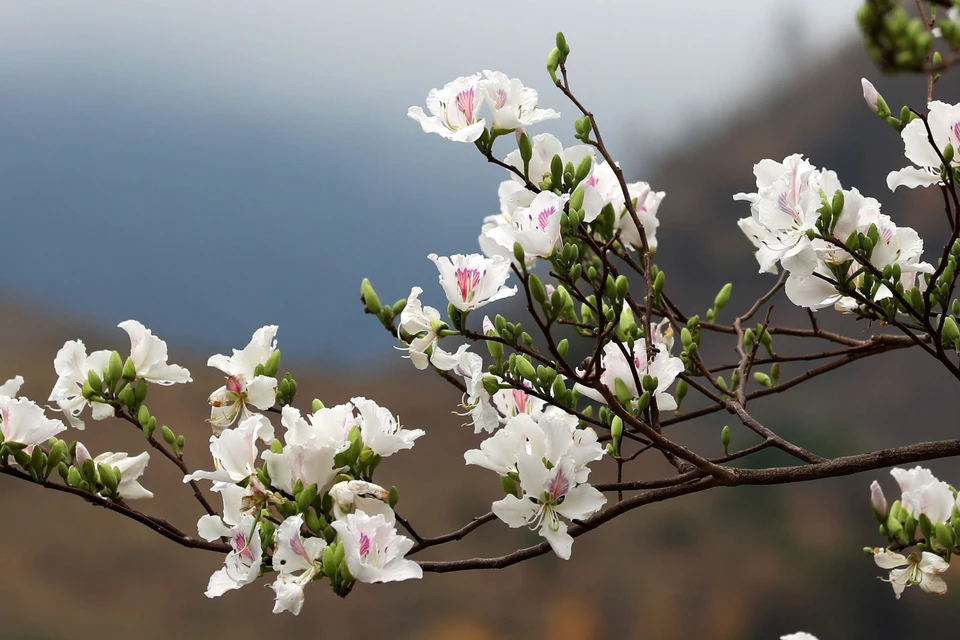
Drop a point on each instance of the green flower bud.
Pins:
(659, 282)
(181, 442)
(945, 535)
(837, 203)
(537, 289)
(168, 436)
(89, 471)
(273, 364)
(143, 416)
(140, 392)
(317, 405)
(150, 428)
(623, 394)
(127, 397)
(114, 371)
(519, 254)
(129, 372)
(582, 170)
(951, 332)
(87, 391)
(394, 497)
(369, 297)
(723, 297)
(73, 477)
(682, 388)
(553, 61)
(576, 200)
(525, 369)
(762, 378)
(526, 151)
(558, 388)
(725, 440)
(306, 497)
(562, 45)
(563, 347)
(110, 480)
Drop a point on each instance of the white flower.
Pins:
(944, 122)
(555, 436)
(471, 281)
(243, 501)
(800, 635)
(513, 105)
(149, 356)
(614, 365)
(786, 206)
(548, 494)
(512, 402)
(242, 564)
(545, 146)
(23, 421)
(244, 389)
(381, 431)
(417, 319)
(235, 451)
(536, 228)
(924, 493)
(483, 415)
(130, 468)
(295, 561)
(647, 202)
(373, 550)
(306, 456)
(73, 365)
(11, 387)
(359, 495)
(455, 110)
(919, 570)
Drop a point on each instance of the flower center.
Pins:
(544, 217)
(520, 399)
(242, 548)
(364, 545)
(234, 386)
(467, 280)
(465, 104)
(558, 487)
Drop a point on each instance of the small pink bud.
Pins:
(487, 325)
(82, 455)
(877, 499)
(870, 95)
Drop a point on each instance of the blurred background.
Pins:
(208, 168)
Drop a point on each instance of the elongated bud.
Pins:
(273, 364)
(526, 149)
(582, 170)
(562, 45)
(878, 501)
(537, 289)
(114, 371)
(682, 388)
(129, 372)
(317, 405)
(525, 369)
(945, 535)
(576, 200)
(370, 298)
(723, 297)
(659, 282)
(73, 477)
(143, 416)
(623, 393)
(553, 61)
(562, 347)
(616, 432)
(87, 391)
(168, 436)
(873, 99)
(951, 332)
(762, 378)
(306, 497)
(108, 477)
(725, 440)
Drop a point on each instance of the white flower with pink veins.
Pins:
(513, 105)
(244, 390)
(471, 281)
(944, 122)
(536, 228)
(455, 110)
(614, 364)
(242, 564)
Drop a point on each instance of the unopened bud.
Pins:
(878, 501)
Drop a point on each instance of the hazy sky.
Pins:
(231, 150)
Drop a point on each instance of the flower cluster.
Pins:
(304, 506)
(838, 248)
(926, 518)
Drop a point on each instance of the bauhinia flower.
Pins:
(242, 564)
(296, 561)
(11, 387)
(373, 550)
(358, 495)
(512, 104)
(646, 202)
(923, 493)
(471, 281)
(545, 146)
(477, 401)
(235, 451)
(73, 365)
(425, 324)
(944, 122)
(546, 495)
(23, 421)
(786, 206)
(615, 366)
(149, 356)
(922, 570)
(513, 402)
(877, 500)
(131, 468)
(381, 431)
(536, 228)
(870, 95)
(455, 110)
(306, 457)
(244, 388)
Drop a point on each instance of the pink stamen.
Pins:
(956, 130)
(592, 181)
(559, 486)
(241, 547)
(501, 98)
(465, 104)
(544, 217)
(467, 280)
(233, 385)
(520, 398)
(364, 544)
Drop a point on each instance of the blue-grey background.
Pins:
(209, 167)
